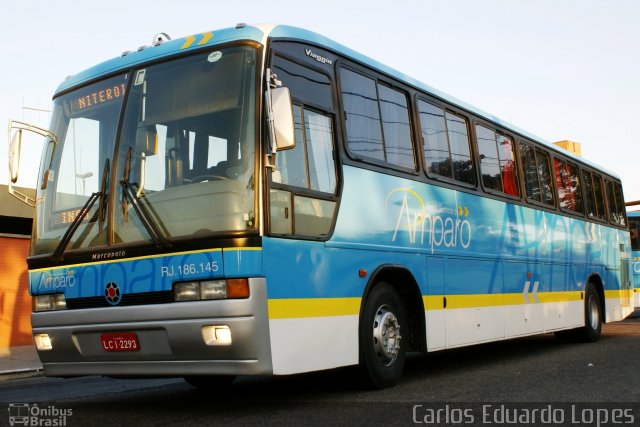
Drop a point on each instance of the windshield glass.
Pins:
(184, 162)
(85, 123)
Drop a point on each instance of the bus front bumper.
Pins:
(172, 338)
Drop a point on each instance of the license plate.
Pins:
(121, 341)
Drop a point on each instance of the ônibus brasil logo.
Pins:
(26, 414)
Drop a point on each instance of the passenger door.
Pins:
(303, 184)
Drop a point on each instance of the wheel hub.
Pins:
(386, 335)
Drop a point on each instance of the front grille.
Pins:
(143, 298)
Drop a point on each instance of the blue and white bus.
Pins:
(634, 228)
(261, 200)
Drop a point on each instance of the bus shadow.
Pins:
(335, 383)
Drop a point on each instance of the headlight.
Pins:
(49, 302)
(211, 290)
(186, 291)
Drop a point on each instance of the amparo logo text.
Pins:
(57, 281)
(435, 226)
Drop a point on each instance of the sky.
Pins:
(559, 69)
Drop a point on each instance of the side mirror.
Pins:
(146, 145)
(147, 140)
(14, 156)
(281, 120)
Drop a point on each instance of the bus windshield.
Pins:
(180, 163)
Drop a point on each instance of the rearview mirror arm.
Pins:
(19, 127)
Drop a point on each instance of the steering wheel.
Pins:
(201, 178)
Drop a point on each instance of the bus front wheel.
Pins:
(382, 348)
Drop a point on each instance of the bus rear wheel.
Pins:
(592, 328)
(382, 348)
(592, 315)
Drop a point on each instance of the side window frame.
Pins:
(634, 229)
(307, 192)
(308, 197)
(594, 196)
(389, 84)
(423, 144)
(498, 132)
(611, 190)
(538, 153)
(558, 174)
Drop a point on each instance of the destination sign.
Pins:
(99, 97)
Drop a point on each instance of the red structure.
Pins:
(15, 303)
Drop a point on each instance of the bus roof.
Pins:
(259, 34)
(150, 53)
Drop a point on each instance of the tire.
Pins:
(592, 328)
(592, 315)
(211, 382)
(382, 348)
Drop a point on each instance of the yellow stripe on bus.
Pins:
(322, 307)
(111, 261)
(313, 307)
(619, 293)
(436, 302)
(560, 296)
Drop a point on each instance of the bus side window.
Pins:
(598, 190)
(537, 174)
(359, 97)
(497, 161)
(396, 127)
(593, 198)
(543, 163)
(622, 214)
(310, 166)
(568, 182)
(617, 215)
(633, 227)
(589, 199)
(446, 143)
(530, 169)
(377, 120)
(304, 182)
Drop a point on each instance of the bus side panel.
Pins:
(314, 298)
(522, 283)
(486, 269)
(434, 304)
(617, 287)
(475, 309)
(636, 278)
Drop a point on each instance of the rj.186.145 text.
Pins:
(189, 269)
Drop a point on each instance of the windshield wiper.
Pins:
(77, 220)
(57, 254)
(147, 220)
